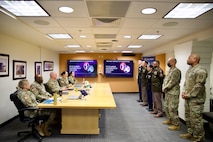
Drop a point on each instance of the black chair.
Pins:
(31, 121)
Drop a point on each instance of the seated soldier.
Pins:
(38, 89)
(29, 100)
(63, 81)
(72, 78)
(53, 84)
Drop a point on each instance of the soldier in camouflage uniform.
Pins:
(29, 100)
(71, 78)
(143, 82)
(194, 94)
(53, 84)
(139, 80)
(63, 81)
(171, 88)
(38, 89)
(157, 81)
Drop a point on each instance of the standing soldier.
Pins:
(143, 82)
(38, 89)
(149, 86)
(139, 80)
(171, 88)
(157, 81)
(194, 93)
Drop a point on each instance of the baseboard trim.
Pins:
(8, 121)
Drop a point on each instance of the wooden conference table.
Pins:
(82, 116)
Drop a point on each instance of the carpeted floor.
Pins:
(129, 122)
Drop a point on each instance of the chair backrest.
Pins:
(19, 105)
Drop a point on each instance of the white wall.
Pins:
(182, 52)
(20, 50)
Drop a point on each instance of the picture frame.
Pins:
(19, 69)
(38, 68)
(4, 65)
(48, 65)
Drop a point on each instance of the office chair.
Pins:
(31, 121)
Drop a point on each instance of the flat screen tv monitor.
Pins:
(118, 68)
(83, 68)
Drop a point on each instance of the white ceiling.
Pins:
(84, 21)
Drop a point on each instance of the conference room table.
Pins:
(81, 116)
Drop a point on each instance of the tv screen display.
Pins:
(118, 68)
(83, 68)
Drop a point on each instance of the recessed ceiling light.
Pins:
(149, 36)
(65, 9)
(72, 46)
(59, 36)
(148, 11)
(134, 46)
(23, 8)
(127, 36)
(189, 10)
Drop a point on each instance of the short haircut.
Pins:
(22, 83)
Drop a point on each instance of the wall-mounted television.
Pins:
(118, 68)
(83, 68)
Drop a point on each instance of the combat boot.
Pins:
(174, 127)
(44, 127)
(186, 136)
(39, 130)
(167, 122)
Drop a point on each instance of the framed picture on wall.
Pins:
(38, 68)
(48, 65)
(19, 69)
(4, 65)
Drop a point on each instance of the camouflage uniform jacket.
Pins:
(157, 79)
(194, 85)
(39, 91)
(29, 100)
(53, 85)
(72, 80)
(171, 81)
(143, 76)
(64, 82)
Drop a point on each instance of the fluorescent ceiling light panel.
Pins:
(5, 12)
(80, 51)
(134, 46)
(83, 36)
(126, 51)
(73, 46)
(127, 36)
(189, 10)
(59, 36)
(23, 8)
(149, 36)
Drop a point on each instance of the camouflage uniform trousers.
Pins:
(144, 94)
(171, 108)
(194, 120)
(49, 112)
